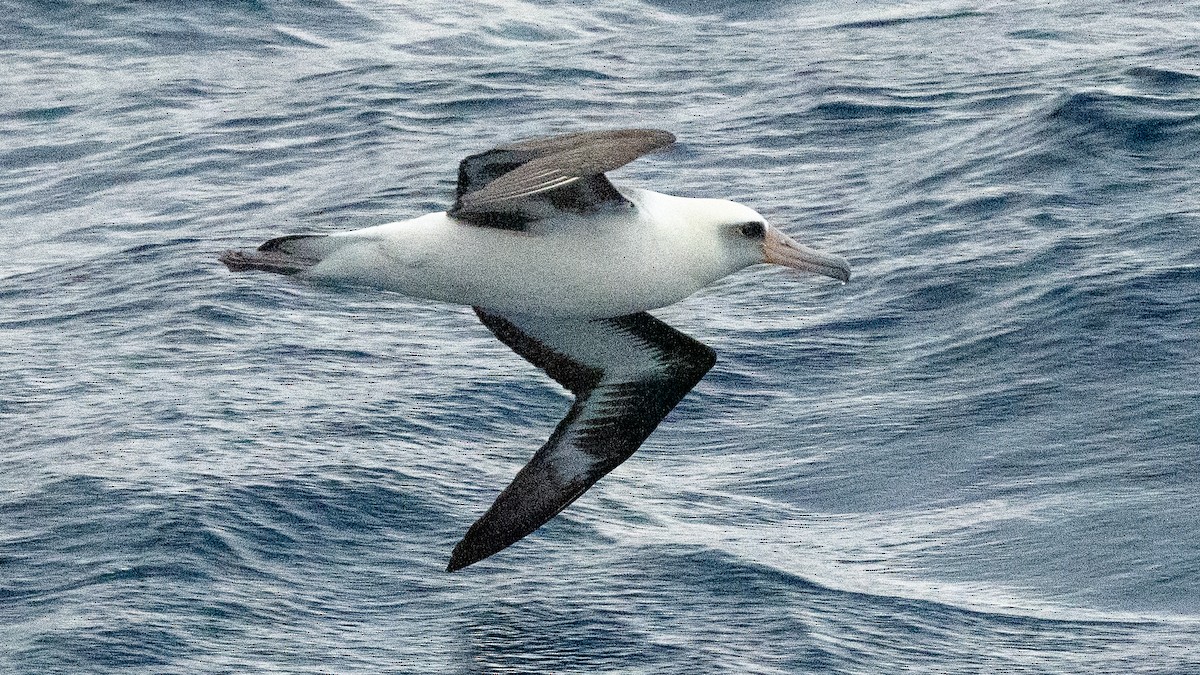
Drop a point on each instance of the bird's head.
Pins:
(747, 239)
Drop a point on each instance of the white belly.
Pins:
(587, 268)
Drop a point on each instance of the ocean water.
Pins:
(982, 455)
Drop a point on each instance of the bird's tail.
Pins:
(283, 255)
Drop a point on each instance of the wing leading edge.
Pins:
(626, 373)
(512, 185)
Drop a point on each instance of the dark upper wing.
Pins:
(626, 373)
(515, 184)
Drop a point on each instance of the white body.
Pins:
(611, 263)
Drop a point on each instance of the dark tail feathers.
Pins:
(281, 255)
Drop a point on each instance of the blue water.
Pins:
(981, 455)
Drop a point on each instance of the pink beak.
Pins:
(780, 249)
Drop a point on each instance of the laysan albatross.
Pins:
(561, 265)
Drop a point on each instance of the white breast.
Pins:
(602, 265)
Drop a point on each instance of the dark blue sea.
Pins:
(982, 455)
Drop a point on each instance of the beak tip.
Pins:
(780, 249)
(835, 267)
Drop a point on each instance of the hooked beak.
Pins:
(780, 249)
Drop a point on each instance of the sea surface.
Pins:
(982, 455)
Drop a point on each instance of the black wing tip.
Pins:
(465, 554)
(664, 137)
(657, 137)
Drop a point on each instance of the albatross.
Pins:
(561, 265)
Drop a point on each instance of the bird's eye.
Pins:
(752, 230)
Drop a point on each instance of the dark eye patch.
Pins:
(752, 230)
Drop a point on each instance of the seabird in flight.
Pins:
(562, 266)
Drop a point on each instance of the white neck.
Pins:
(694, 230)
